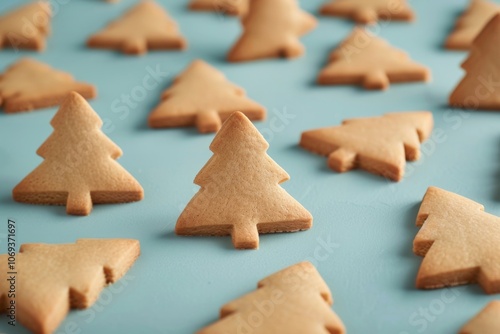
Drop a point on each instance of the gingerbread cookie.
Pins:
(29, 84)
(272, 29)
(26, 27)
(79, 167)
(379, 145)
(228, 7)
(369, 11)
(202, 97)
(300, 301)
(486, 322)
(240, 193)
(365, 59)
(470, 24)
(51, 279)
(146, 26)
(459, 241)
(479, 88)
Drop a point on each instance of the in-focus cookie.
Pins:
(79, 167)
(470, 24)
(300, 301)
(51, 279)
(26, 27)
(202, 96)
(240, 193)
(146, 26)
(272, 29)
(379, 145)
(228, 7)
(29, 84)
(459, 241)
(367, 60)
(486, 322)
(479, 89)
(369, 11)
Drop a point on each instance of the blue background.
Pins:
(178, 284)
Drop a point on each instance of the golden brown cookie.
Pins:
(240, 193)
(229, 7)
(486, 322)
(51, 279)
(294, 300)
(470, 24)
(201, 96)
(379, 145)
(79, 167)
(272, 29)
(369, 11)
(480, 88)
(365, 59)
(29, 84)
(146, 26)
(26, 27)
(459, 241)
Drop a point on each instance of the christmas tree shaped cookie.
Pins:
(144, 27)
(240, 193)
(229, 7)
(459, 241)
(296, 301)
(29, 84)
(470, 24)
(79, 167)
(272, 29)
(51, 279)
(26, 27)
(380, 145)
(479, 89)
(202, 96)
(486, 322)
(365, 59)
(369, 11)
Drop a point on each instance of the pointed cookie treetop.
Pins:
(51, 279)
(144, 27)
(26, 27)
(365, 59)
(301, 303)
(379, 145)
(203, 97)
(486, 322)
(79, 167)
(229, 7)
(369, 11)
(459, 241)
(29, 84)
(272, 29)
(470, 24)
(240, 193)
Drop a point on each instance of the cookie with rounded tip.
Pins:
(146, 26)
(486, 322)
(369, 11)
(228, 7)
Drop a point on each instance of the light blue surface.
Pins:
(178, 284)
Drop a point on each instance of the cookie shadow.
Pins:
(223, 241)
(496, 177)
(407, 254)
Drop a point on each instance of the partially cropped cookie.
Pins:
(146, 26)
(29, 84)
(202, 96)
(470, 24)
(369, 11)
(379, 145)
(240, 193)
(479, 89)
(26, 27)
(367, 60)
(486, 322)
(300, 301)
(229, 7)
(79, 167)
(52, 279)
(460, 243)
(272, 29)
